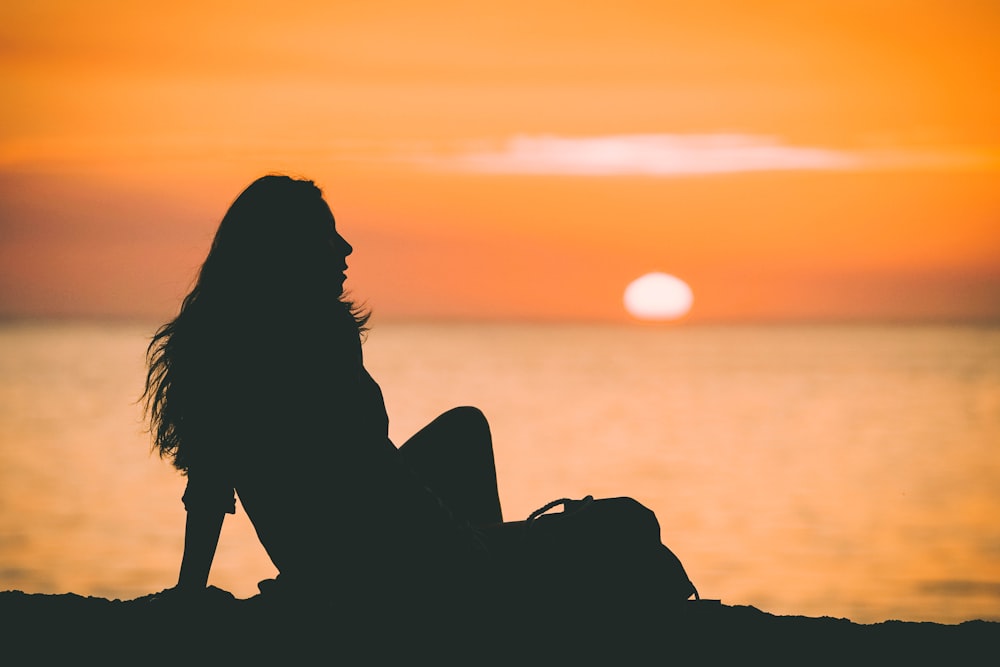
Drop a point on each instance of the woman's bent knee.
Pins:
(467, 420)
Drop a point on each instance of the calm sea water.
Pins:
(848, 471)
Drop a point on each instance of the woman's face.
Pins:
(340, 248)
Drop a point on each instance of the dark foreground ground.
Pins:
(70, 629)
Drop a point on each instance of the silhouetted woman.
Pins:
(258, 387)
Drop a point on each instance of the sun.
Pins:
(658, 297)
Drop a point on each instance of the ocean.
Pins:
(831, 470)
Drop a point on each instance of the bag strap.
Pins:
(569, 505)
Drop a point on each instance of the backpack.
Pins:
(598, 564)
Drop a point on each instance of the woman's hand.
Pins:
(184, 596)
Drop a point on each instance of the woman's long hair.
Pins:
(268, 290)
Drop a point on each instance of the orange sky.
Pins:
(820, 160)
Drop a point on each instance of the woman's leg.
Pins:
(453, 455)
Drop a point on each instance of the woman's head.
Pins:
(278, 238)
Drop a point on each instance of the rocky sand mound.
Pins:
(72, 629)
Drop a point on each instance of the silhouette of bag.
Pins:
(600, 555)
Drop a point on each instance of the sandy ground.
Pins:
(71, 629)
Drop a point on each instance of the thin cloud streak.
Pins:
(667, 155)
(645, 154)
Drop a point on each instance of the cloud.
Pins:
(667, 155)
(644, 154)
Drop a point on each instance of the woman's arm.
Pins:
(201, 537)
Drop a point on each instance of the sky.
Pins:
(790, 161)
